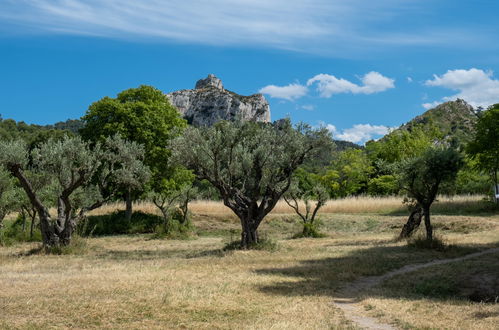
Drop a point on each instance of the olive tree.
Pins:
(306, 188)
(70, 162)
(250, 164)
(422, 176)
(167, 193)
(121, 168)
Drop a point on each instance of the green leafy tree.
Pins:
(307, 188)
(142, 115)
(251, 164)
(484, 148)
(422, 176)
(383, 185)
(348, 173)
(403, 144)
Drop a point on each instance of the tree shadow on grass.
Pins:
(140, 255)
(330, 276)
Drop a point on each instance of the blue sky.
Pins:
(358, 66)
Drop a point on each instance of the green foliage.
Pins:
(13, 233)
(253, 158)
(421, 176)
(310, 230)
(116, 224)
(10, 195)
(32, 135)
(78, 246)
(251, 164)
(348, 174)
(383, 185)
(176, 230)
(484, 148)
(471, 180)
(403, 144)
(307, 188)
(66, 161)
(266, 244)
(420, 242)
(143, 115)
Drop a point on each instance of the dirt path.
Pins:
(354, 312)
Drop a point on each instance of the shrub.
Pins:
(176, 230)
(421, 242)
(116, 224)
(264, 244)
(310, 230)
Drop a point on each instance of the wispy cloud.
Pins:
(475, 86)
(336, 26)
(372, 82)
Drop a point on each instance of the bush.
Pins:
(264, 244)
(116, 224)
(421, 242)
(12, 232)
(176, 230)
(77, 246)
(310, 230)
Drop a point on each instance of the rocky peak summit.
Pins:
(210, 81)
(210, 102)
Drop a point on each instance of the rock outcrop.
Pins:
(209, 102)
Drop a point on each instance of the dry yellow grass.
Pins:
(361, 204)
(136, 282)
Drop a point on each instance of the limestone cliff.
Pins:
(209, 102)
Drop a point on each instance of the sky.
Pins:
(358, 67)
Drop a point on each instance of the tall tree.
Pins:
(422, 176)
(143, 115)
(484, 148)
(251, 164)
(348, 173)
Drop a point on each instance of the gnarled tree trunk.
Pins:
(249, 234)
(412, 223)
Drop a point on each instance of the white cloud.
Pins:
(359, 133)
(308, 107)
(319, 26)
(431, 105)
(475, 86)
(372, 82)
(290, 92)
(409, 79)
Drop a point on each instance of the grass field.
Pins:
(140, 282)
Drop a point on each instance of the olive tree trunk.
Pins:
(129, 206)
(427, 222)
(412, 223)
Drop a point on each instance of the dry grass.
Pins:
(355, 205)
(136, 282)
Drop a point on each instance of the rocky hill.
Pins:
(210, 102)
(455, 120)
